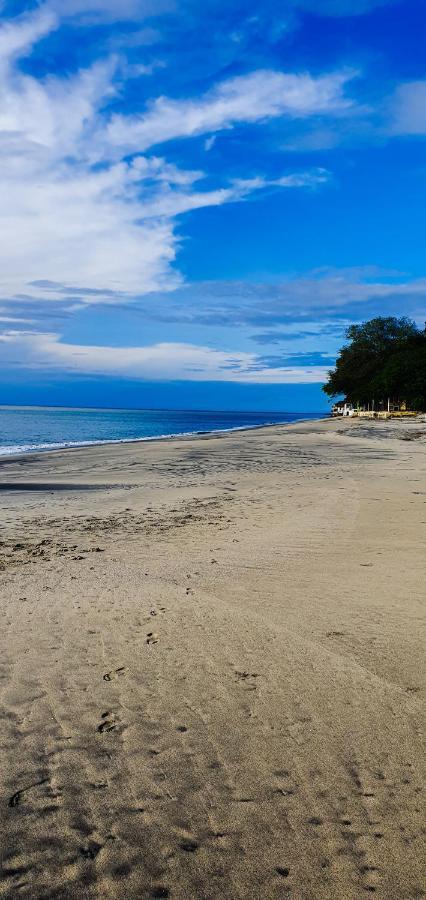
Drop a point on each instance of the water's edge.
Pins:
(25, 450)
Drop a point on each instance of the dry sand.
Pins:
(211, 666)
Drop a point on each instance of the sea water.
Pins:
(26, 429)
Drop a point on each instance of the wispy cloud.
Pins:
(246, 14)
(18, 36)
(330, 294)
(248, 98)
(90, 204)
(164, 361)
(297, 316)
(76, 210)
(88, 11)
(407, 109)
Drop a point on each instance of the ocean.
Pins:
(26, 429)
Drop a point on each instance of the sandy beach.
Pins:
(211, 666)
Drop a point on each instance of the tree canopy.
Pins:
(385, 357)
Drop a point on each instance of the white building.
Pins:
(343, 408)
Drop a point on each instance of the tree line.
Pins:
(384, 358)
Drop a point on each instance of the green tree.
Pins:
(385, 357)
(404, 373)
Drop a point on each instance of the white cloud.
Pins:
(248, 98)
(408, 109)
(18, 36)
(209, 142)
(164, 361)
(16, 320)
(108, 231)
(74, 211)
(110, 10)
(83, 229)
(170, 203)
(60, 218)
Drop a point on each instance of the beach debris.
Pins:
(284, 871)
(16, 798)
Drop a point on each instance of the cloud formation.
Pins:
(164, 361)
(98, 163)
(88, 215)
(248, 98)
(333, 294)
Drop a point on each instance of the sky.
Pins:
(199, 196)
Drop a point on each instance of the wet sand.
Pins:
(211, 666)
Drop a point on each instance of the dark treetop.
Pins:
(385, 357)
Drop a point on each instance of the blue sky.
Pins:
(199, 197)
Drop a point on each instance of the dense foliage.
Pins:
(385, 358)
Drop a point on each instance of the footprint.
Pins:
(91, 850)
(16, 798)
(189, 845)
(115, 673)
(247, 679)
(109, 722)
(287, 790)
(152, 637)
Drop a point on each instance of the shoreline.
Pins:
(221, 641)
(160, 437)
